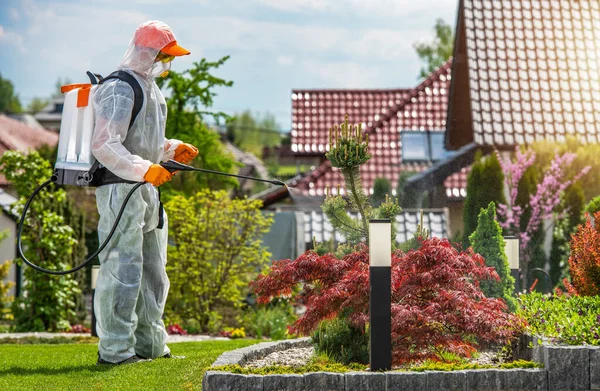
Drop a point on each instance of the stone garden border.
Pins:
(565, 368)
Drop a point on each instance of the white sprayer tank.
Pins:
(74, 157)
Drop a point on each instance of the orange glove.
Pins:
(185, 153)
(157, 175)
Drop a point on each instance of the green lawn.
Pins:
(73, 367)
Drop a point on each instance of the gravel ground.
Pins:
(296, 357)
(301, 356)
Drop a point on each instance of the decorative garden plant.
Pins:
(437, 304)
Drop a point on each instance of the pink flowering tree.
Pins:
(542, 205)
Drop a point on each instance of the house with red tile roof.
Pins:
(405, 127)
(523, 70)
(406, 134)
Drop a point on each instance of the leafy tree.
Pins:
(485, 184)
(5, 299)
(381, 189)
(36, 105)
(47, 302)
(9, 101)
(488, 242)
(584, 261)
(252, 134)
(191, 96)
(435, 303)
(436, 53)
(217, 250)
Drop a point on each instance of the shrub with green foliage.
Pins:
(572, 320)
(571, 207)
(381, 188)
(485, 184)
(488, 242)
(269, 321)
(47, 302)
(342, 342)
(216, 251)
(5, 298)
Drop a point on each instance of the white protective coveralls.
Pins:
(132, 284)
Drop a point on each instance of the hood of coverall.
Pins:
(148, 40)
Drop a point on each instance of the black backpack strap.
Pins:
(138, 94)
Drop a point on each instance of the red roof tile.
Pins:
(533, 69)
(15, 135)
(422, 108)
(456, 184)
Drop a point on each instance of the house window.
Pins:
(423, 146)
(414, 146)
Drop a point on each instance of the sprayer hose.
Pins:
(91, 257)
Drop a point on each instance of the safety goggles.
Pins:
(163, 57)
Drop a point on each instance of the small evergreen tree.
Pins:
(487, 241)
(348, 150)
(485, 183)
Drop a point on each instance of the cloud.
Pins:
(284, 40)
(11, 41)
(343, 74)
(14, 14)
(296, 5)
(285, 60)
(387, 9)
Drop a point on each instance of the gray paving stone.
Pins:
(288, 382)
(594, 368)
(568, 367)
(365, 381)
(324, 381)
(404, 381)
(534, 379)
(447, 381)
(226, 381)
(483, 380)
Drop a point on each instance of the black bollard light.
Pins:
(95, 271)
(380, 307)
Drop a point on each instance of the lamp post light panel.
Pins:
(380, 243)
(511, 248)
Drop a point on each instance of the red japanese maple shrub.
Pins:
(436, 300)
(584, 262)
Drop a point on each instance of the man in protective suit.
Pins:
(132, 284)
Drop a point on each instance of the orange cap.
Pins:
(159, 36)
(175, 50)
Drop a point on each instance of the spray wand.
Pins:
(171, 165)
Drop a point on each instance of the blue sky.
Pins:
(275, 45)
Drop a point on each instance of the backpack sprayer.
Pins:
(75, 164)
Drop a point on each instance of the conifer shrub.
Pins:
(485, 183)
(487, 241)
